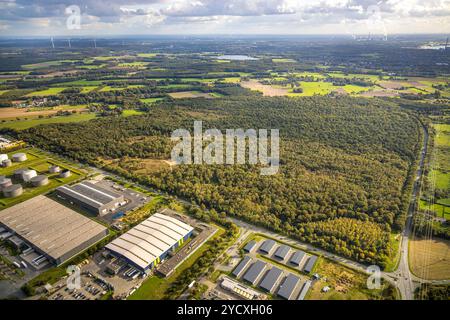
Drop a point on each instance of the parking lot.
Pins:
(91, 289)
(134, 199)
(122, 284)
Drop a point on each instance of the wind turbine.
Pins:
(53, 44)
(68, 40)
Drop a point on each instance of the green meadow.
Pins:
(46, 92)
(25, 124)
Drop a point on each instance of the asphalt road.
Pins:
(404, 277)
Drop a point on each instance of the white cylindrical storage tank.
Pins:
(18, 173)
(28, 174)
(54, 169)
(39, 181)
(65, 174)
(19, 157)
(6, 163)
(3, 157)
(5, 182)
(13, 191)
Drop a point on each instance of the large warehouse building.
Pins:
(148, 243)
(53, 230)
(91, 197)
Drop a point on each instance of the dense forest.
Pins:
(343, 178)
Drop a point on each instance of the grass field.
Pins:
(151, 100)
(147, 55)
(46, 92)
(155, 287)
(442, 211)
(128, 113)
(40, 162)
(25, 124)
(440, 174)
(430, 259)
(344, 283)
(80, 83)
(46, 64)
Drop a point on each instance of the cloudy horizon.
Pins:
(258, 17)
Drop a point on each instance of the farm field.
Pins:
(430, 259)
(46, 92)
(190, 94)
(29, 113)
(26, 124)
(128, 113)
(267, 90)
(39, 161)
(45, 64)
(151, 100)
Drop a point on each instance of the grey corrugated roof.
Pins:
(90, 194)
(254, 271)
(310, 264)
(288, 286)
(305, 289)
(267, 245)
(270, 279)
(51, 227)
(241, 266)
(249, 246)
(282, 251)
(297, 257)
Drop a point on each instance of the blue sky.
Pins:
(178, 17)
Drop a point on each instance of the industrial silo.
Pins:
(19, 157)
(6, 163)
(39, 181)
(65, 174)
(54, 169)
(13, 191)
(4, 182)
(28, 174)
(18, 173)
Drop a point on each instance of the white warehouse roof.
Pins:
(144, 243)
